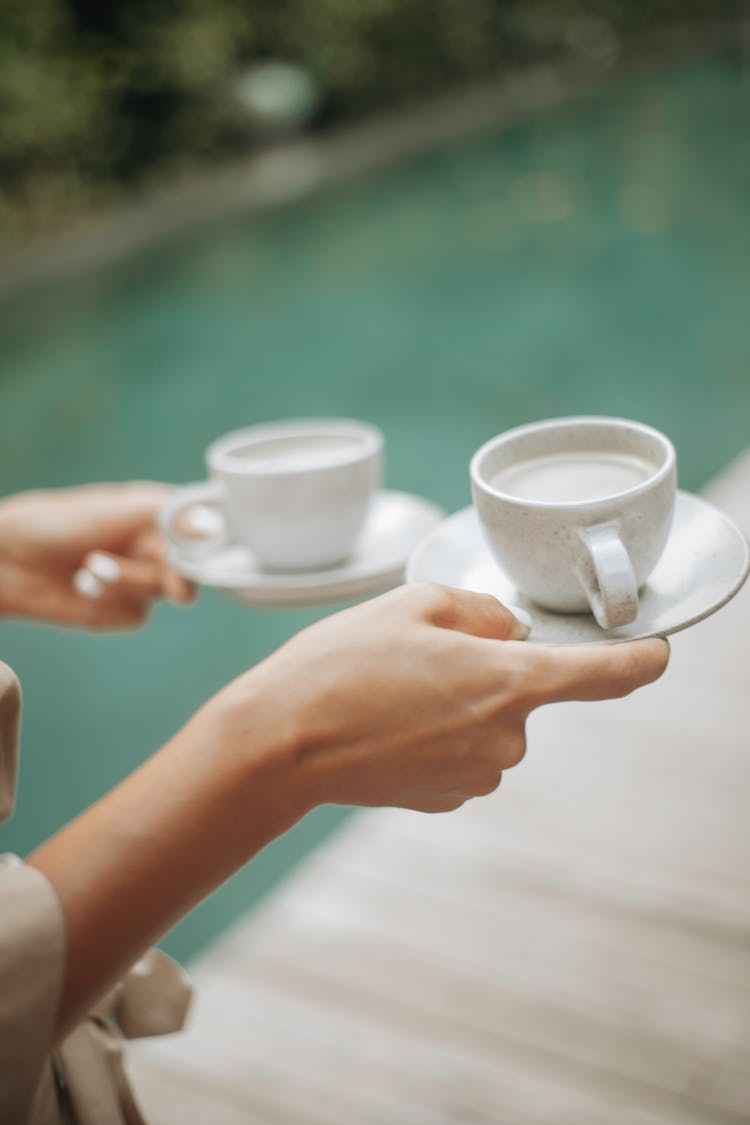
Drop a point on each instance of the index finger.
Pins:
(480, 615)
(591, 672)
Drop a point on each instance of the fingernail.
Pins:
(522, 617)
(87, 584)
(104, 568)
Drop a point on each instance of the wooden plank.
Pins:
(356, 1069)
(169, 1096)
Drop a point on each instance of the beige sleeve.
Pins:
(32, 954)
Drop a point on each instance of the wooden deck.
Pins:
(573, 950)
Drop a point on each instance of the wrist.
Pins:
(256, 748)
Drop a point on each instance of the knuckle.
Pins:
(441, 805)
(438, 603)
(133, 616)
(514, 749)
(487, 603)
(489, 784)
(105, 625)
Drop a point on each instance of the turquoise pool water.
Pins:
(594, 260)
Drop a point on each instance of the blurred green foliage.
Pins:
(96, 98)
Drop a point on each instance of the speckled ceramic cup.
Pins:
(297, 493)
(577, 511)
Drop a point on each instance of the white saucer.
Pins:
(704, 564)
(396, 523)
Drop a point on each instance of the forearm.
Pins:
(133, 864)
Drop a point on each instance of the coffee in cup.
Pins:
(577, 511)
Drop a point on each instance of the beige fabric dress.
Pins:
(83, 1081)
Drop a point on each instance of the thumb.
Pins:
(607, 671)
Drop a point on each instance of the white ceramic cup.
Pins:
(589, 553)
(296, 492)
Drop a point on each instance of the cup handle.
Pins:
(607, 577)
(205, 531)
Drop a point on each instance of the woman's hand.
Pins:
(419, 698)
(88, 556)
